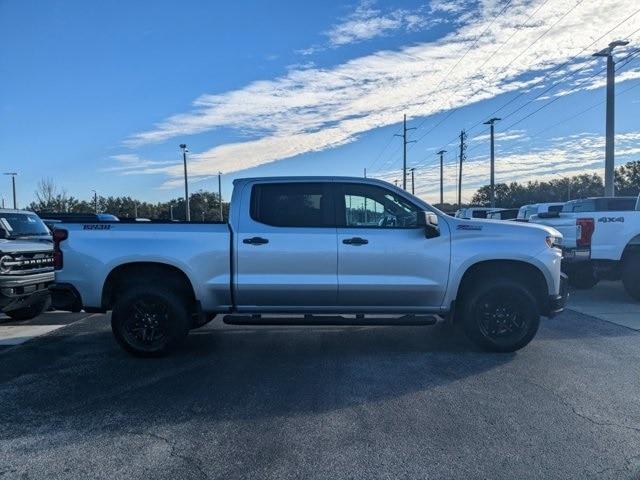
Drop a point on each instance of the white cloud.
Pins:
(315, 109)
(368, 22)
(130, 164)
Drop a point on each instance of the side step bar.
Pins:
(331, 320)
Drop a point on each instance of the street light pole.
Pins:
(492, 190)
(13, 185)
(220, 193)
(413, 186)
(441, 153)
(95, 201)
(609, 159)
(187, 214)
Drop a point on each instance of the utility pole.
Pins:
(220, 193)
(492, 190)
(365, 173)
(95, 201)
(609, 160)
(441, 153)
(135, 209)
(413, 186)
(13, 185)
(463, 148)
(404, 146)
(187, 215)
(171, 211)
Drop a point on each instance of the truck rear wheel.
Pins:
(32, 311)
(500, 315)
(150, 321)
(631, 275)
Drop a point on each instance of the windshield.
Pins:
(16, 225)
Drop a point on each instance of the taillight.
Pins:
(585, 228)
(59, 234)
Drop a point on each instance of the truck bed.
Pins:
(201, 250)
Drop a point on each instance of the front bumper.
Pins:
(17, 291)
(556, 303)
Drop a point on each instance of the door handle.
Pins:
(355, 241)
(255, 241)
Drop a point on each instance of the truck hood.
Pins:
(500, 228)
(25, 246)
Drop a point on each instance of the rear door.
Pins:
(385, 262)
(286, 254)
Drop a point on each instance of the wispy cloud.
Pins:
(314, 109)
(369, 22)
(131, 164)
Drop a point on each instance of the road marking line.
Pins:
(17, 334)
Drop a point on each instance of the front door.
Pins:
(384, 259)
(286, 248)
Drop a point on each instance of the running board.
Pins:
(331, 320)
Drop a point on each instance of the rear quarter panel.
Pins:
(201, 251)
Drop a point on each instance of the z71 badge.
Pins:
(610, 219)
(101, 226)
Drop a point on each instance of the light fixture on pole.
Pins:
(492, 191)
(187, 214)
(13, 185)
(609, 160)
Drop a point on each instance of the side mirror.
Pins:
(429, 221)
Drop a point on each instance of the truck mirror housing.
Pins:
(429, 221)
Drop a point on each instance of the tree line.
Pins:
(514, 194)
(204, 206)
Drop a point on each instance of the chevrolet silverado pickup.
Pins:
(312, 250)
(26, 264)
(601, 240)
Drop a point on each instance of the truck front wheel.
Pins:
(499, 315)
(150, 321)
(631, 275)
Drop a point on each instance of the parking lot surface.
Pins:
(375, 402)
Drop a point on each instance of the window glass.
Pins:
(620, 204)
(292, 204)
(479, 214)
(371, 206)
(555, 208)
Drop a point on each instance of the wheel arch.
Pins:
(142, 272)
(632, 246)
(519, 270)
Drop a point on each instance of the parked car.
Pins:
(525, 212)
(312, 246)
(26, 264)
(503, 214)
(599, 242)
(475, 212)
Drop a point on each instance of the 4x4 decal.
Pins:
(610, 219)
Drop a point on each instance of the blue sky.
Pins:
(98, 95)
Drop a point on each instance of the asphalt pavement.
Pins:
(323, 403)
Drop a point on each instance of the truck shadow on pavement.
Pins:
(229, 373)
(78, 378)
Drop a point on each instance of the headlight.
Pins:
(553, 241)
(6, 263)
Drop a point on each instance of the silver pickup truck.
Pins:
(317, 250)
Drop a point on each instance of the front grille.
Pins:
(25, 263)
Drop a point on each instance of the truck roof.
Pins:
(311, 178)
(15, 210)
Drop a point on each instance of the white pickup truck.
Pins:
(329, 250)
(601, 239)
